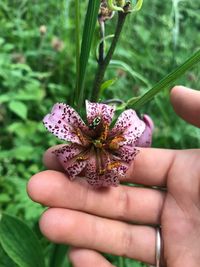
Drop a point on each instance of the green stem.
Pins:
(77, 33)
(102, 66)
(101, 46)
(137, 102)
(121, 262)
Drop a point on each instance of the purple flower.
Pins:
(94, 151)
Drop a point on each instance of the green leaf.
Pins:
(18, 108)
(107, 84)
(126, 67)
(77, 32)
(4, 198)
(88, 33)
(138, 6)
(5, 261)
(26, 95)
(165, 82)
(20, 243)
(23, 95)
(4, 98)
(22, 152)
(58, 255)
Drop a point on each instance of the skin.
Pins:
(122, 220)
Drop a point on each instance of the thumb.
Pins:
(186, 103)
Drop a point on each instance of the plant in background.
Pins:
(92, 142)
(95, 152)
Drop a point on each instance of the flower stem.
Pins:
(102, 65)
(101, 46)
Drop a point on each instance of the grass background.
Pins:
(37, 70)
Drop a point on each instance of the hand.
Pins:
(121, 220)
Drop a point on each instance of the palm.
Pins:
(181, 211)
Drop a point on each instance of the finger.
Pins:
(186, 103)
(150, 166)
(87, 258)
(50, 160)
(88, 231)
(140, 205)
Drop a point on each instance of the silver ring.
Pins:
(158, 246)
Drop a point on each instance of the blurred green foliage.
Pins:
(37, 69)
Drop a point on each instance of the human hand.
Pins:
(122, 220)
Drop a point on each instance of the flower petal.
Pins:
(145, 139)
(127, 153)
(122, 169)
(109, 178)
(129, 126)
(91, 174)
(94, 110)
(75, 169)
(67, 156)
(67, 152)
(63, 122)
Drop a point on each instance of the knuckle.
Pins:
(123, 204)
(126, 241)
(84, 197)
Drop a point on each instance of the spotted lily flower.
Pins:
(96, 152)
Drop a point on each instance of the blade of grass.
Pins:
(77, 29)
(137, 102)
(126, 67)
(77, 38)
(88, 32)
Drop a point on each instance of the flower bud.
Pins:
(43, 29)
(115, 6)
(57, 44)
(105, 13)
(120, 3)
(18, 58)
(145, 139)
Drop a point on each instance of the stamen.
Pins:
(83, 155)
(81, 158)
(82, 138)
(98, 161)
(101, 172)
(115, 142)
(113, 165)
(110, 167)
(104, 133)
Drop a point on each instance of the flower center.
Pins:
(97, 143)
